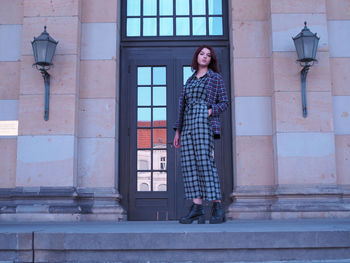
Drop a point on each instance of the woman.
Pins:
(202, 99)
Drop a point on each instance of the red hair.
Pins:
(213, 65)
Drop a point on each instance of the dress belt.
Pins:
(194, 102)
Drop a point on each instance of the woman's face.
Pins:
(204, 57)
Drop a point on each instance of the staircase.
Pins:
(273, 241)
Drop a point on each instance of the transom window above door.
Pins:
(173, 18)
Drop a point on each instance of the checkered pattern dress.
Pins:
(197, 145)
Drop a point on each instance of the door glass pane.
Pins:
(159, 159)
(187, 72)
(198, 7)
(143, 181)
(144, 117)
(144, 160)
(159, 75)
(159, 138)
(144, 76)
(143, 138)
(166, 26)
(159, 181)
(166, 7)
(182, 26)
(159, 117)
(215, 26)
(199, 26)
(150, 26)
(133, 27)
(149, 7)
(144, 96)
(159, 96)
(133, 8)
(215, 7)
(182, 7)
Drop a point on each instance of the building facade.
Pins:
(105, 153)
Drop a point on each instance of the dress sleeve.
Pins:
(221, 97)
(181, 108)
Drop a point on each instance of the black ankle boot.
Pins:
(217, 214)
(196, 213)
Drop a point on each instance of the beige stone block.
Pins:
(305, 158)
(61, 115)
(286, 26)
(254, 159)
(338, 9)
(342, 151)
(8, 153)
(51, 8)
(252, 77)
(11, 12)
(249, 39)
(63, 76)
(46, 161)
(286, 73)
(298, 6)
(97, 118)
(97, 79)
(340, 74)
(289, 114)
(62, 29)
(99, 11)
(96, 162)
(253, 10)
(9, 80)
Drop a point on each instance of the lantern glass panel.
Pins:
(299, 47)
(308, 47)
(41, 50)
(51, 47)
(315, 47)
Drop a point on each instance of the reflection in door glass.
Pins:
(143, 159)
(151, 128)
(144, 76)
(187, 72)
(159, 181)
(159, 75)
(149, 7)
(159, 138)
(159, 96)
(144, 117)
(143, 181)
(143, 138)
(144, 96)
(159, 117)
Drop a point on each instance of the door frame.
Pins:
(124, 157)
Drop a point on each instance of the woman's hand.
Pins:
(210, 111)
(176, 141)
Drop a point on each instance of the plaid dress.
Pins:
(197, 145)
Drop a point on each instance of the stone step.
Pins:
(276, 241)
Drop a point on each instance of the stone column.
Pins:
(46, 174)
(304, 148)
(254, 172)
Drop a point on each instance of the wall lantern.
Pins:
(306, 44)
(44, 48)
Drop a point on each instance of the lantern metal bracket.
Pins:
(46, 77)
(303, 74)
